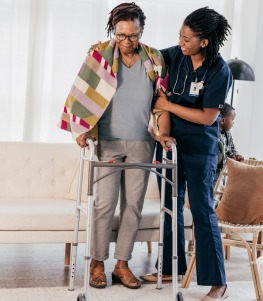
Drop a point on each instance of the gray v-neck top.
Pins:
(128, 113)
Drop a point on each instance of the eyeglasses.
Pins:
(132, 37)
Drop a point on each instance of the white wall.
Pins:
(163, 22)
(245, 42)
(256, 121)
(49, 58)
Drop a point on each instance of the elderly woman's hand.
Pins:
(81, 139)
(162, 101)
(164, 139)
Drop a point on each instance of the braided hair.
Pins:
(208, 24)
(125, 12)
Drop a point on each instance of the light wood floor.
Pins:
(42, 265)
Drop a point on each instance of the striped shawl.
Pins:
(96, 84)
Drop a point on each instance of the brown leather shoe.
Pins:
(98, 278)
(126, 278)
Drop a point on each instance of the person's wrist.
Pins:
(163, 135)
(167, 106)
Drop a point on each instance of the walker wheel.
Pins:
(81, 297)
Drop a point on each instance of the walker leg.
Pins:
(160, 244)
(179, 297)
(73, 266)
(74, 252)
(87, 249)
(81, 297)
(160, 265)
(76, 227)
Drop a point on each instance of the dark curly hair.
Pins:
(226, 110)
(125, 12)
(208, 24)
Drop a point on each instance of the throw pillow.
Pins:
(242, 201)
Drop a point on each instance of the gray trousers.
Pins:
(130, 185)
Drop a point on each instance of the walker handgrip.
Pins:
(89, 142)
(168, 143)
(90, 146)
(172, 147)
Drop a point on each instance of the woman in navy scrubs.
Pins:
(199, 82)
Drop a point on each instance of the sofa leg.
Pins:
(149, 246)
(67, 254)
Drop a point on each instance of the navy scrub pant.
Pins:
(198, 171)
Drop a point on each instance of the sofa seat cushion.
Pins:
(188, 218)
(48, 214)
(37, 214)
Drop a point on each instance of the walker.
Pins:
(168, 164)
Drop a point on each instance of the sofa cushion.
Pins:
(188, 218)
(31, 169)
(23, 214)
(37, 214)
(242, 201)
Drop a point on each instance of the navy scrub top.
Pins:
(191, 137)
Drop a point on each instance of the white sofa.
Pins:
(38, 192)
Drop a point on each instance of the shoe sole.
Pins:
(117, 279)
(98, 285)
(151, 278)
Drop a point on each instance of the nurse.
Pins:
(199, 82)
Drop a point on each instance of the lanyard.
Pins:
(200, 85)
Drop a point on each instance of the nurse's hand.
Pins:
(162, 101)
(164, 139)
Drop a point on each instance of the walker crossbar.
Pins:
(170, 164)
(128, 167)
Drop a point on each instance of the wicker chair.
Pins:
(236, 235)
(219, 193)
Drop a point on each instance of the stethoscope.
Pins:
(199, 85)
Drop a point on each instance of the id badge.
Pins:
(194, 91)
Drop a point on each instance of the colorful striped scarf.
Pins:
(96, 83)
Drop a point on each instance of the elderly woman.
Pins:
(111, 100)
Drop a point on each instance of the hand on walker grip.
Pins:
(83, 138)
(166, 141)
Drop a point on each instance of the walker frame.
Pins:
(169, 164)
